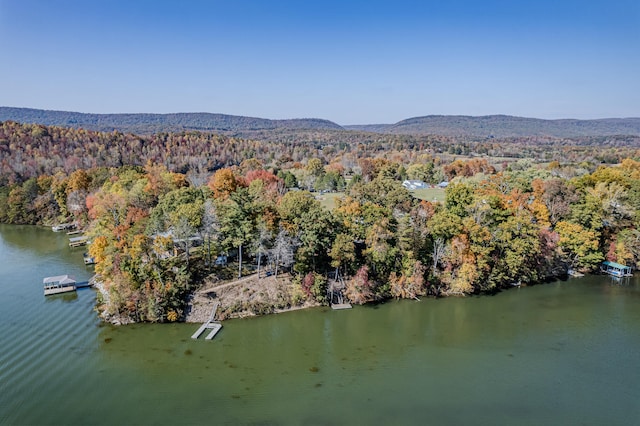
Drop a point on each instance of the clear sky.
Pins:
(352, 62)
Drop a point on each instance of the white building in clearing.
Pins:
(414, 184)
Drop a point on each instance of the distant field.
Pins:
(429, 194)
(328, 200)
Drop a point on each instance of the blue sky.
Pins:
(352, 62)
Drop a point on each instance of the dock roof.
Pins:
(62, 279)
(615, 265)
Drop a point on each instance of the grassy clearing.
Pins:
(429, 194)
(328, 199)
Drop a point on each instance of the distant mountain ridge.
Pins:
(489, 126)
(505, 126)
(143, 123)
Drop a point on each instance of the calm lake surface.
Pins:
(561, 353)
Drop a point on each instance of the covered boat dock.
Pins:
(58, 284)
(615, 269)
(78, 241)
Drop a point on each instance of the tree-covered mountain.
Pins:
(466, 127)
(505, 126)
(155, 123)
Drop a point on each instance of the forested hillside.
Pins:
(29, 150)
(470, 127)
(504, 126)
(516, 211)
(154, 123)
(495, 229)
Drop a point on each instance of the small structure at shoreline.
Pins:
(58, 284)
(335, 294)
(78, 241)
(88, 259)
(338, 306)
(574, 273)
(63, 227)
(211, 324)
(62, 284)
(615, 269)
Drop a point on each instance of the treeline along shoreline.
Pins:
(170, 212)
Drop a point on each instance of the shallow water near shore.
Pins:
(559, 353)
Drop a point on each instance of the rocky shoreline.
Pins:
(250, 296)
(114, 319)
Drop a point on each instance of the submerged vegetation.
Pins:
(169, 211)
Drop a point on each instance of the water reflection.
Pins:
(621, 281)
(69, 297)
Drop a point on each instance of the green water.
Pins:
(562, 353)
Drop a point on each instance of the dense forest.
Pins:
(154, 123)
(161, 209)
(32, 150)
(489, 126)
(503, 126)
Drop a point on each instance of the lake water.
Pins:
(561, 353)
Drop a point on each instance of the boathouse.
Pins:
(58, 284)
(78, 241)
(615, 269)
(63, 227)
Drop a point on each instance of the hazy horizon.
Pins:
(348, 62)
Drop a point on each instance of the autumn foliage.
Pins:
(161, 210)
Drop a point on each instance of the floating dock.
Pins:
(78, 241)
(58, 284)
(211, 324)
(338, 306)
(63, 227)
(616, 269)
(62, 284)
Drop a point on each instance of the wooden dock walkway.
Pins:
(338, 306)
(211, 324)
